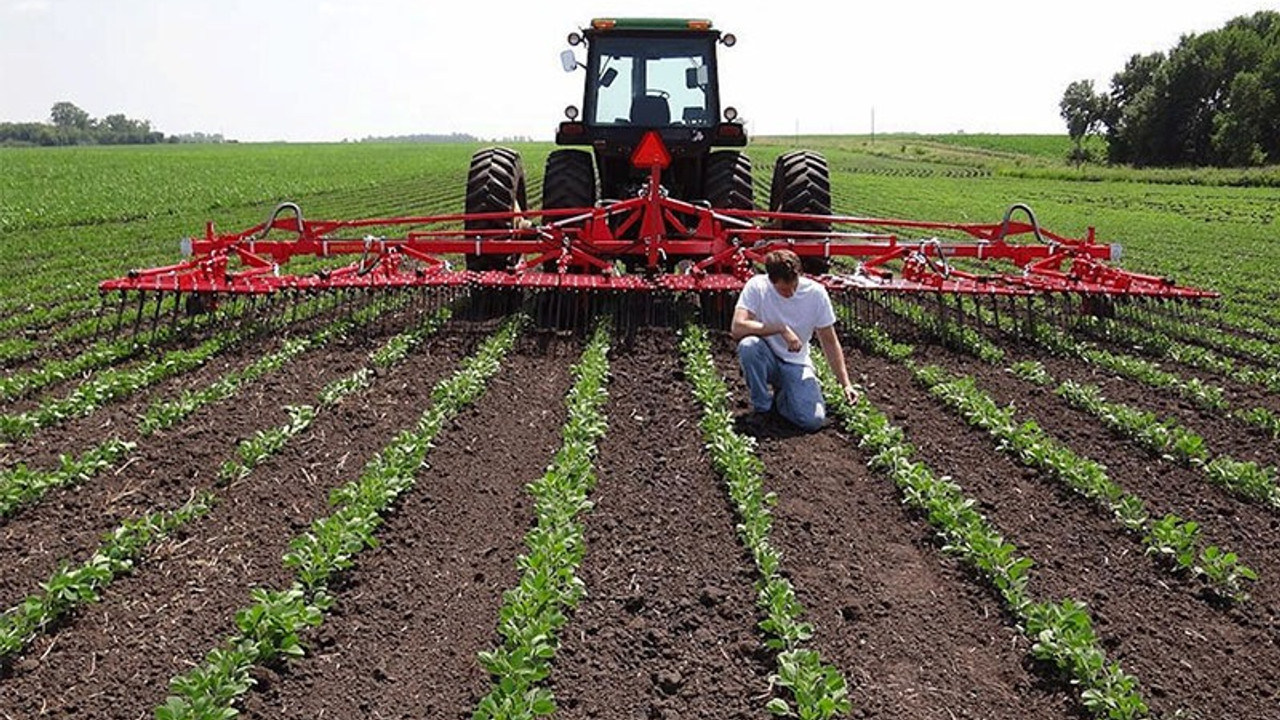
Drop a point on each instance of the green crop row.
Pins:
(950, 333)
(1061, 633)
(1158, 344)
(1207, 396)
(1165, 438)
(91, 578)
(1170, 538)
(253, 451)
(268, 629)
(99, 355)
(22, 486)
(817, 688)
(534, 611)
(164, 415)
(68, 589)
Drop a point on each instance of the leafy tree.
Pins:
(1213, 98)
(1237, 136)
(1082, 108)
(67, 116)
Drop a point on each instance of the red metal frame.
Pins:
(652, 232)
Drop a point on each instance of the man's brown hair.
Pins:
(782, 266)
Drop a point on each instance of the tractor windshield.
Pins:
(651, 81)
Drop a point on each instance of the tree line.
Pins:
(70, 125)
(1214, 99)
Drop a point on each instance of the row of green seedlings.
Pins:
(535, 610)
(70, 588)
(21, 330)
(102, 354)
(1061, 633)
(1260, 353)
(268, 630)
(818, 690)
(253, 451)
(22, 486)
(1164, 438)
(1230, 318)
(1175, 540)
(1170, 538)
(112, 385)
(1204, 395)
(1157, 344)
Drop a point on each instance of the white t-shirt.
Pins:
(808, 308)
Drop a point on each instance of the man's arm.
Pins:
(745, 324)
(834, 353)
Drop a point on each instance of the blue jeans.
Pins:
(798, 397)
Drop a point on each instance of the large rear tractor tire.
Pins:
(802, 184)
(727, 180)
(568, 182)
(495, 183)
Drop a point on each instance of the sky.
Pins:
(328, 70)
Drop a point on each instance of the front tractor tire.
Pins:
(495, 183)
(802, 184)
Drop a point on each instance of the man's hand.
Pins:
(851, 394)
(793, 340)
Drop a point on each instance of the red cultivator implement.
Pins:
(650, 214)
(646, 244)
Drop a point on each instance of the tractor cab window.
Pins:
(651, 82)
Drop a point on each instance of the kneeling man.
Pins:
(773, 322)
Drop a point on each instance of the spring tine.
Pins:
(137, 320)
(155, 317)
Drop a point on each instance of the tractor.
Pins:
(648, 76)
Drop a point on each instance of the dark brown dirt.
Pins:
(913, 632)
(411, 617)
(667, 629)
(1186, 653)
(114, 660)
(163, 469)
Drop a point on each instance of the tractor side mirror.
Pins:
(609, 76)
(568, 61)
(697, 77)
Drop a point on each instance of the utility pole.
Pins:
(873, 124)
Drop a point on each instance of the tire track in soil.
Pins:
(1185, 653)
(412, 615)
(115, 659)
(667, 629)
(67, 523)
(915, 633)
(1238, 525)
